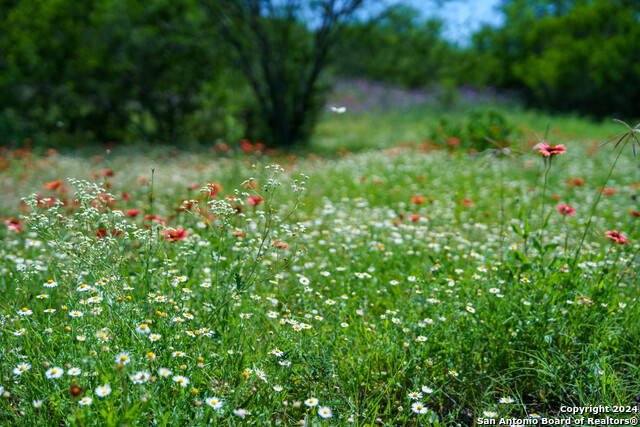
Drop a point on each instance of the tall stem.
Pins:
(593, 210)
(544, 191)
(566, 235)
(501, 212)
(124, 389)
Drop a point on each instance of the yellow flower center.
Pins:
(25, 309)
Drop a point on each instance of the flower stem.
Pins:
(124, 394)
(501, 212)
(593, 210)
(544, 191)
(566, 235)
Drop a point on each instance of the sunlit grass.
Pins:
(397, 287)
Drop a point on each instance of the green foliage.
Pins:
(474, 132)
(403, 289)
(573, 56)
(112, 70)
(396, 46)
(283, 56)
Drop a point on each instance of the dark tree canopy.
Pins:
(282, 48)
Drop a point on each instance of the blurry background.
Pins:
(205, 71)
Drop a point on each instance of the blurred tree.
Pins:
(397, 46)
(282, 48)
(573, 55)
(112, 70)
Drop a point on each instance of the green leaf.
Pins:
(517, 230)
(546, 221)
(521, 256)
(550, 247)
(238, 281)
(536, 244)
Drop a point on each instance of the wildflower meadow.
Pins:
(419, 283)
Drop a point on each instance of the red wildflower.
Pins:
(466, 202)
(101, 232)
(13, 224)
(185, 205)
(214, 189)
(132, 212)
(578, 182)
(550, 150)
(172, 234)
(566, 210)
(125, 196)
(414, 217)
(255, 200)
(246, 146)
(251, 184)
(634, 213)
(53, 185)
(616, 237)
(221, 146)
(103, 200)
(609, 191)
(45, 202)
(107, 172)
(281, 245)
(453, 142)
(418, 200)
(75, 390)
(154, 218)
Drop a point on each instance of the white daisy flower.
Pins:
(214, 402)
(182, 381)
(74, 372)
(311, 402)
(21, 368)
(325, 412)
(103, 390)
(419, 408)
(54, 373)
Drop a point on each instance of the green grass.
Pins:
(371, 129)
(454, 294)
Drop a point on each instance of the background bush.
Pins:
(161, 71)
